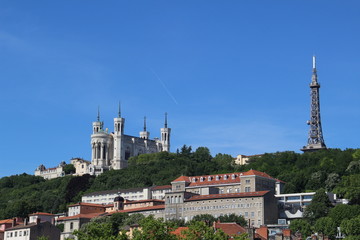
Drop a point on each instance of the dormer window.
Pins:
(201, 179)
(233, 176)
(194, 179)
(209, 178)
(225, 177)
(217, 178)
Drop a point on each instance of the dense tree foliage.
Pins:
(23, 194)
(332, 169)
(319, 207)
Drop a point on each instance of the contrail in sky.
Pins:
(164, 86)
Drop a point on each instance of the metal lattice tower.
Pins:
(315, 139)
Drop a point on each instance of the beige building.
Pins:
(243, 159)
(133, 194)
(32, 231)
(50, 173)
(81, 166)
(249, 194)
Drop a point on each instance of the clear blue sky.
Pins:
(233, 75)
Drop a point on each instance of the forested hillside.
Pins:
(333, 169)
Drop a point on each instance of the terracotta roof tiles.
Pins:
(230, 228)
(216, 179)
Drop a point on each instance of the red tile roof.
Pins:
(87, 215)
(227, 195)
(142, 209)
(286, 232)
(42, 213)
(161, 187)
(262, 231)
(178, 231)
(230, 228)
(216, 179)
(6, 221)
(86, 204)
(143, 201)
(182, 179)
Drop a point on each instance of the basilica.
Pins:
(113, 150)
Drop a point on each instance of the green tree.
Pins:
(344, 211)
(207, 218)
(332, 180)
(199, 230)
(354, 167)
(326, 226)
(233, 218)
(97, 230)
(69, 169)
(349, 188)
(302, 226)
(319, 207)
(43, 238)
(153, 229)
(351, 227)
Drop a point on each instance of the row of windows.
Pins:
(19, 233)
(227, 200)
(217, 178)
(216, 207)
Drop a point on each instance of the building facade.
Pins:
(107, 197)
(50, 173)
(249, 194)
(32, 231)
(113, 150)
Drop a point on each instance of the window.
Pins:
(246, 214)
(247, 181)
(217, 178)
(209, 178)
(291, 198)
(252, 214)
(247, 189)
(225, 177)
(308, 197)
(71, 225)
(233, 176)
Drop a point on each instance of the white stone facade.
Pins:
(113, 150)
(50, 173)
(107, 197)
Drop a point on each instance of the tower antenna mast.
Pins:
(315, 138)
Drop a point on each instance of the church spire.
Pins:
(166, 125)
(98, 115)
(119, 110)
(145, 124)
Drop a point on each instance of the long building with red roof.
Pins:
(250, 194)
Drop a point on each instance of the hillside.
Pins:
(333, 169)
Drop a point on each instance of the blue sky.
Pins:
(233, 75)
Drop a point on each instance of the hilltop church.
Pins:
(113, 150)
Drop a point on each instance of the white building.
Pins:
(113, 150)
(107, 197)
(50, 173)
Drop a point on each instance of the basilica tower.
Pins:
(118, 161)
(165, 136)
(315, 139)
(100, 145)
